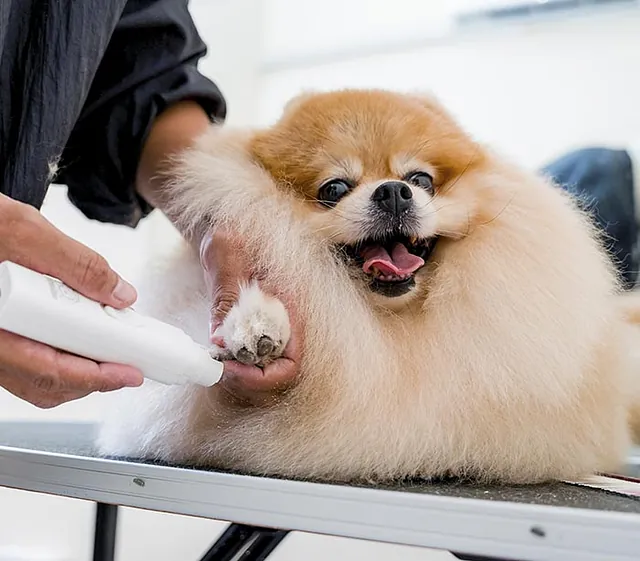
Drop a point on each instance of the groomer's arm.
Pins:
(148, 101)
(222, 255)
(172, 132)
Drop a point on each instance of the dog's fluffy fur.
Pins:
(509, 360)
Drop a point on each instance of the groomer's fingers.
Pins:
(53, 370)
(42, 400)
(29, 239)
(254, 386)
(47, 377)
(226, 268)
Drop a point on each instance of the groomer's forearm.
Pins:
(174, 131)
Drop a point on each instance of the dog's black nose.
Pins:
(393, 197)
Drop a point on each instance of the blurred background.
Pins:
(535, 79)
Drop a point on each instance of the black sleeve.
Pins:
(149, 64)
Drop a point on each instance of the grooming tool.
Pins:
(44, 309)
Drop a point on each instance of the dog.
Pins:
(461, 317)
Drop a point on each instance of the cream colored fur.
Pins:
(516, 368)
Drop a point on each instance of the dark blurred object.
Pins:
(602, 179)
(520, 11)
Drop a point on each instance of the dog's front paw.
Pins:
(256, 330)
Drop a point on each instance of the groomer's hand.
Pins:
(226, 266)
(35, 372)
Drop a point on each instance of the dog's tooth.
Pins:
(413, 240)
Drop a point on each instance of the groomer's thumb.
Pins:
(98, 281)
(30, 240)
(85, 271)
(225, 270)
(223, 298)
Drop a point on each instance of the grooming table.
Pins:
(558, 522)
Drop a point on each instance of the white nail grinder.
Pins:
(44, 309)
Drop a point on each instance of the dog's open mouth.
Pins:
(392, 262)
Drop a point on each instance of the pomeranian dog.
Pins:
(460, 316)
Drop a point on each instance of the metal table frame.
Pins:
(238, 542)
(262, 510)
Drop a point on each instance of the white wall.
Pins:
(232, 30)
(533, 91)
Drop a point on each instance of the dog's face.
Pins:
(379, 174)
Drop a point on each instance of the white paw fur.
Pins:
(256, 330)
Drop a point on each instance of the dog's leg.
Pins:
(256, 330)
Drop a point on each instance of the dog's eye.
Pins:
(332, 191)
(421, 179)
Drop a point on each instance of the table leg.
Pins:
(244, 543)
(104, 541)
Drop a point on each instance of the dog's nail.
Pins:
(245, 356)
(265, 346)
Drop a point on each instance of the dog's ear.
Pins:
(295, 102)
(440, 113)
(269, 146)
(430, 102)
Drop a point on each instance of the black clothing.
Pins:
(81, 83)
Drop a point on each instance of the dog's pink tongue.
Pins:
(400, 262)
